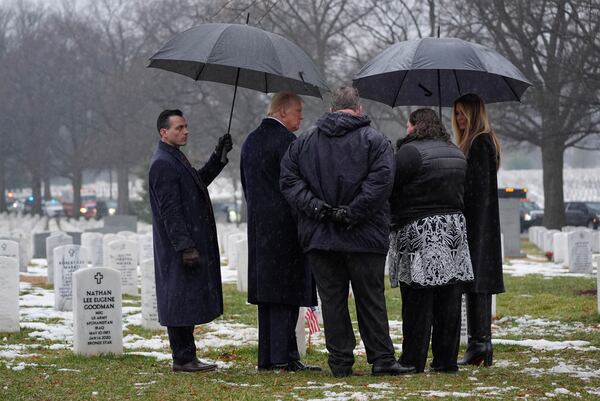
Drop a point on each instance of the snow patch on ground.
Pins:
(519, 268)
(548, 345)
(583, 373)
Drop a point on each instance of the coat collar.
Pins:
(179, 156)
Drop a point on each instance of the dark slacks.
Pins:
(423, 308)
(333, 272)
(479, 316)
(181, 340)
(277, 334)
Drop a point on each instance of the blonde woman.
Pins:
(479, 144)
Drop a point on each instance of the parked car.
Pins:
(52, 208)
(28, 204)
(583, 214)
(105, 207)
(15, 206)
(531, 214)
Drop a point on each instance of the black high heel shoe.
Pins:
(478, 351)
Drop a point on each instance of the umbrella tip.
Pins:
(247, 18)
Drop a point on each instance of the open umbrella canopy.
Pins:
(265, 61)
(436, 71)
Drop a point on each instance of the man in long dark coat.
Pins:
(186, 254)
(279, 282)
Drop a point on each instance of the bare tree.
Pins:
(555, 43)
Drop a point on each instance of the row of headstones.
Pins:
(570, 246)
(95, 297)
(233, 245)
(121, 251)
(17, 228)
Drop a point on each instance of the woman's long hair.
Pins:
(427, 125)
(473, 108)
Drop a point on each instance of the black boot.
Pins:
(479, 325)
(478, 351)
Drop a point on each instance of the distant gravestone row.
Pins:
(571, 246)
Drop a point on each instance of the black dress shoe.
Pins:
(194, 366)
(444, 369)
(392, 368)
(341, 371)
(297, 365)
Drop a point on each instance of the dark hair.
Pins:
(345, 97)
(427, 125)
(163, 118)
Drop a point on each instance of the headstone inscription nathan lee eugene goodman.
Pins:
(97, 308)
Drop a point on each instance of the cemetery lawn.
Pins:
(560, 359)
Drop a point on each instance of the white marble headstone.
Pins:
(9, 248)
(67, 260)
(301, 331)
(559, 245)
(107, 239)
(242, 264)
(580, 251)
(232, 248)
(464, 333)
(146, 247)
(149, 307)
(52, 242)
(93, 243)
(123, 256)
(97, 312)
(9, 295)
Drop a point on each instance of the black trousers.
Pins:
(333, 272)
(424, 308)
(277, 334)
(181, 340)
(479, 316)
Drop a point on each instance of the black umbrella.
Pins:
(240, 55)
(436, 71)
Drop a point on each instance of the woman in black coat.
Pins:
(429, 254)
(478, 142)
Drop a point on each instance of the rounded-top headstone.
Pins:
(97, 312)
(67, 260)
(9, 295)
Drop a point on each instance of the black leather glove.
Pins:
(339, 215)
(191, 257)
(225, 144)
(325, 212)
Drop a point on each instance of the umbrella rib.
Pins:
(399, 87)
(200, 72)
(511, 88)
(457, 83)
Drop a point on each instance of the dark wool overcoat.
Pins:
(182, 218)
(483, 217)
(277, 272)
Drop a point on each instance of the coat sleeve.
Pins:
(477, 185)
(294, 188)
(211, 169)
(377, 185)
(165, 182)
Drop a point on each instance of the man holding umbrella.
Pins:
(186, 254)
(279, 281)
(339, 177)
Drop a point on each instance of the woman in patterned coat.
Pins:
(429, 255)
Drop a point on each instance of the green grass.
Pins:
(130, 377)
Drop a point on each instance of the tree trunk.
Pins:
(76, 182)
(36, 191)
(2, 185)
(123, 189)
(47, 190)
(552, 168)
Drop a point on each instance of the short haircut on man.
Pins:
(345, 97)
(164, 116)
(282, 100)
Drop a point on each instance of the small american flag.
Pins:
(312, 320)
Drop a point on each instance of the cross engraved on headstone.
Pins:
(71, 252)
(98, 278)
(4, 247)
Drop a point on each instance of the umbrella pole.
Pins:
(237, 79)
(439, 94)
